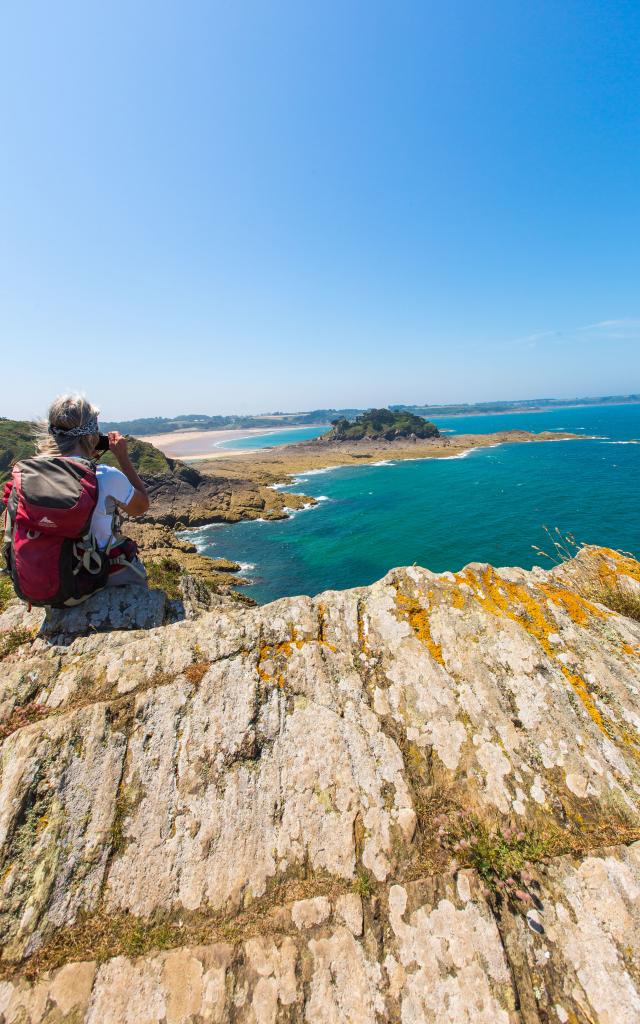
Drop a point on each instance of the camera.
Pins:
(103, 443)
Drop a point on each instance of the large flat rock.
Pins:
(129, 607)
(304, 811)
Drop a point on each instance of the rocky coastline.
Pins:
(244, 487)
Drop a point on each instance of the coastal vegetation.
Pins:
(382, 424)
(16, 442)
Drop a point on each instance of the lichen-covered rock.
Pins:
(129, 607)
(433, 953)
(379, 805)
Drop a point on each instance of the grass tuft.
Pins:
(15, 638)
(165, 574)
(618, 597)
(502, 856)
(7, 592)
(362, 884)
(595, 580)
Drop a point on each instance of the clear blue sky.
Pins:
(216, 207)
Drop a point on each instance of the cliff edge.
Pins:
(415, 801)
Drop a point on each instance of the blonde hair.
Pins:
(67, 413)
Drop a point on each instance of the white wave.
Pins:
(279, 487)
(461, 455)
(198, 536)
(191, 530)
(324, 469)
(621, 442)
(383, 462)
(202, 546)
(246, 567)
(323, 497)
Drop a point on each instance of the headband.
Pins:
(90, 427)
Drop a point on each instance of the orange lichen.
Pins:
(196, 671)
(580, 689)
(280, 654)
(418, 618)
(625, 565)
(515, 602)
(577, 608)
(457, 598)
(633, 651)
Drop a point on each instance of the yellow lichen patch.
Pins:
(512, 600)
(515, 602)
(457, 598)
(322, 622)
(577, 608)
(634, 652)
(625, 565)
(279, 654)
(579, 687)
(418, 618)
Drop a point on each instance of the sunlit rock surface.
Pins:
(415, 801)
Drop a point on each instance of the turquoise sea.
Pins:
(276, 438)
(489, 506)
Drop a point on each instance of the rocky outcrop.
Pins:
(189, 498)
(168, 558)
(416, 801)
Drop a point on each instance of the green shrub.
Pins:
(165, 574)
(382, 424)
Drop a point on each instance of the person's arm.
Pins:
(140, 500)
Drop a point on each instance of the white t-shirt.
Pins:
(113, 487)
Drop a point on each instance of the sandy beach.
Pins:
(193, 445)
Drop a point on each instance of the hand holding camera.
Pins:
(114, 442)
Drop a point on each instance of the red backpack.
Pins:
(48, 547)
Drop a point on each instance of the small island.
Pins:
(380, 425)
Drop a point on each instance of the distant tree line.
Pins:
(523, 405)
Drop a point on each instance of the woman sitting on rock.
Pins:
(72, 430)
(62, 509)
